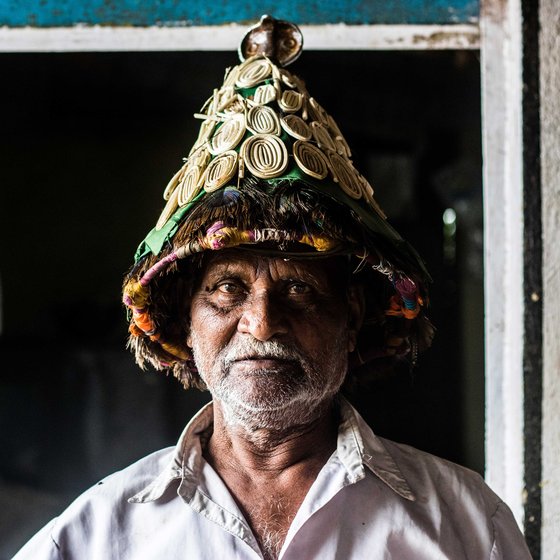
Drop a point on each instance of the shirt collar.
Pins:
(357, 446)
(187, 457)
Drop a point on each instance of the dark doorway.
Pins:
(90, 140)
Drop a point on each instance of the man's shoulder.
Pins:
(116, 489)
(93, 518)
(137, 474)
(430, 475)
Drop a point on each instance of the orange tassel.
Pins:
(143, 321)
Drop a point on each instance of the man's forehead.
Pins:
(239, 261)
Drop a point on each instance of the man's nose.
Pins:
(263, 318)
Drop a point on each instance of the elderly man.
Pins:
(273, 279)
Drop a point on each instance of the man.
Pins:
(272, 279)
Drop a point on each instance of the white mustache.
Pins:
(251, 348)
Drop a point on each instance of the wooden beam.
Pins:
(227, 37)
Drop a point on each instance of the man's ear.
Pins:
(356, 312)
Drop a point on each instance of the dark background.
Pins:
(88, 143)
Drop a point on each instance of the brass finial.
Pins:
(279, 40)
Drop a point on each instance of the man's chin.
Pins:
(272, 414)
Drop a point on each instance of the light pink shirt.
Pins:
(374, 499)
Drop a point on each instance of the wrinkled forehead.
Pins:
(332, 271)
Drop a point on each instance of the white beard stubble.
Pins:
(294, 395)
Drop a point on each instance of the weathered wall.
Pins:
(54, 13)
(550, 150)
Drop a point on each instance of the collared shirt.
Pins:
(373, 499)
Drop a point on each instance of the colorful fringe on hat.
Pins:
(270, 171)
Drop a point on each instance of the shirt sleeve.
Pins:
(509, 543)
(41, 546)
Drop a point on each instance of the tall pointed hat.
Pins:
(271, 171)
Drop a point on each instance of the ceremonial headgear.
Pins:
(271, 171)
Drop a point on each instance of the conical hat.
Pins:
(265, 143)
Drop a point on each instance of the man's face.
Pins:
(271, 337)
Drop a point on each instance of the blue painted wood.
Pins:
(57, 13)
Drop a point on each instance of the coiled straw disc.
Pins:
(190, 184)
(262, 120)
(322, 136)
(291, 101)
(228, 135)
(220, 171)
(345, 175)
(311, 160)
(253, 72)
(168, 210)
(171, 186)
(264, 94)
(265, 155)
(296, 127)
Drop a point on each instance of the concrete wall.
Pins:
(550, 164)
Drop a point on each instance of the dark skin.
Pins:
(303, 304)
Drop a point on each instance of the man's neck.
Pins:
(262, 451)
(270, 472)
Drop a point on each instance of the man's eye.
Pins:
(298, 289)
(229, 288)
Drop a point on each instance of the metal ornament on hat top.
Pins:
(278, 40)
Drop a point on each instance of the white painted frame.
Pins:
(226, 38)
(502, 86)
(499, 39)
